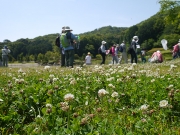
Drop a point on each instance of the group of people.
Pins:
(66, 42)
(132, 50)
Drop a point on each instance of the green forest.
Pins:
(163, 25)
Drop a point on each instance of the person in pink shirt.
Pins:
(156, 57)
(114, 54)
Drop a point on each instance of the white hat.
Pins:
(158, 51)
(135, 37)
(66, 28)
(103, 42)
(179, 41)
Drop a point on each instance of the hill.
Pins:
(150, 33)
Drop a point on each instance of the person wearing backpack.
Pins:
(68, 40)
(5, 52)
(122, 49)
(175, 51)
(133, 51)
(103, 52)
(113, 51)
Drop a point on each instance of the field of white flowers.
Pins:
(127, 99)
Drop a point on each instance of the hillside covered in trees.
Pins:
(150, 33)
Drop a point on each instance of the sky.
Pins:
(33, 18)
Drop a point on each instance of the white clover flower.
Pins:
(1, 100)
(102, 92)
(55, 79)
(110, 85)
(107, 74)
(119, 80)
(144, 107)
(163, 103)
(21, 80)
(48, 105)
(16, 80)
(153, 80)
(20, 71)
(134, 64)
(172, 66)
(73, 82)
(114, 94)
(47, 67)
(68, 97)
(23, 73)
(171, 86)
(38, 116)
(130, 68)
(51, 76)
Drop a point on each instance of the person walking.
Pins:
(68, 40)
(103, 52)
(114, 54)
(122, 49)
(133, 50)
(88, 59)
(5, 52)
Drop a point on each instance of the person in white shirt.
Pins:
(5, 52)
(88, 59)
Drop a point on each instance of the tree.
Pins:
(171, 11)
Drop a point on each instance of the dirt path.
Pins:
(18, 65)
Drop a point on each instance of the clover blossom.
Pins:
(102, 92)
(163, 103)
(69, 97)
(114, 94)
(144, 107)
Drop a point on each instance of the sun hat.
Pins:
(66, 28)
(135, 37)
(89, 53)
(103, 42)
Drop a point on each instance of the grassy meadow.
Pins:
(125, 99)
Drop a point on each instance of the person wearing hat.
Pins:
(103, 52)
(68, 49)
(5, 52)
(88, 59)
(133, 51)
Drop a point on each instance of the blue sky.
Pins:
(33, 18)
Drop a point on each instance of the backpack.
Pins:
(110, 51)
(99, 50)
(121, 48)
(64, 40)
(176, 48)
(130, 49)
(57, 42)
